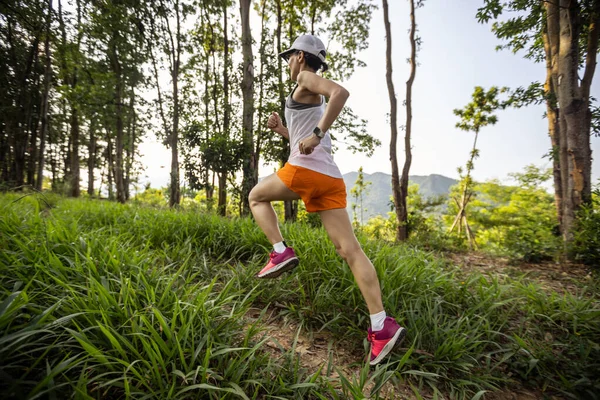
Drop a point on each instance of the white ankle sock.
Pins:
(279, 247)
(377, 321)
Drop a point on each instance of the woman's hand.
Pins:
(307, 146)
(274, 122)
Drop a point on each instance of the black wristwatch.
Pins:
(318, 132)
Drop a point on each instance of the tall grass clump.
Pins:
(124, 301)
(92, 310)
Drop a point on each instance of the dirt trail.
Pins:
(320, 349)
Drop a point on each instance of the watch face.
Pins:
(317, 131)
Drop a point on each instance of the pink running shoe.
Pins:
(383, 341)
(279, 263)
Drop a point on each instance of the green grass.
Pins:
(101, 300)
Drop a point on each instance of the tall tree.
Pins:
(400, 184)
(224, 172)
(171, 40)
(45, 100)
(563, 34)
(69, 66)
(393, 117)
(249, 165)
(175, 49)
(474, 116)
(21, 29)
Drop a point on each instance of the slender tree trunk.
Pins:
(290, 207)
(174, 198)
(33, 147)
(3, 154)
(461, 217)
(66, 154)
(109, 166)
(53, 165)
(261, 79)
(313, 17)
(222, 205)
(75, 170)
(91, 157)
(249, 163)
(402, 233)
(396, 193)
(209, 185)
(32, 119)
(118, 99)
(45, 101)
(74, 173)
(130, 150)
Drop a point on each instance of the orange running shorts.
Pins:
(319, 192)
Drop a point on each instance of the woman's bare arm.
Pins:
(335, 93)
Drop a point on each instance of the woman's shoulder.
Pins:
(317, 84)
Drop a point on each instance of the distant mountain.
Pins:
(377, 200)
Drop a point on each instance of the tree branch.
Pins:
(592, 48)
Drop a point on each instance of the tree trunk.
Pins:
(402, 233)
(552, 113)
(130, 150)
(74, 173)
(249, 163)
(33, 148)
(54, 166)
(109, 166)
(573, 100)
(290, 207)
(222, 202)
(91, 157)
(174, 198)
(3, 154)
(209, 185)
(118, 98)
(222, 205)
(396, 193)
(586, 83)
(75, 170)
(261, 78)
(45, 101)
(24, 111)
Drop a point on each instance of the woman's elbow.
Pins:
(341, 93)
(344, 93)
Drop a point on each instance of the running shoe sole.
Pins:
(396, 340)
(285, 266)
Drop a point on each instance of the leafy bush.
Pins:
(515, 221)
(151, 197)
(586, 240)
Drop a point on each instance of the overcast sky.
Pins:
(457, 54)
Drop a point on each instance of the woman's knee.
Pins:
(348, 251)
(254, 197)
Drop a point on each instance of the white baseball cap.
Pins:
(309, 44)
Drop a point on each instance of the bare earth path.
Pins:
(320, 349)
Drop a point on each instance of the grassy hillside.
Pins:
(101, 300)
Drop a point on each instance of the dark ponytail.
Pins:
(314, 62)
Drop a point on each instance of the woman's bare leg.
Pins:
(260, 198)
(338, 226)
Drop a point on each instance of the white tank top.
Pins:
(301, 120)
